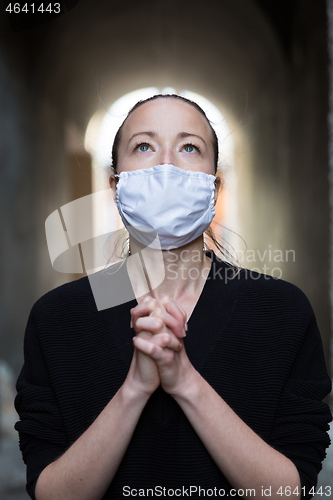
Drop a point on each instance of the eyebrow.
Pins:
(181, 135)
(151, 134)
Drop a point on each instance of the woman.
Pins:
(233, 409)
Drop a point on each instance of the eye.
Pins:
(190, 148)
(143, 147)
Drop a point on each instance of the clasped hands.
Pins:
(159, 353)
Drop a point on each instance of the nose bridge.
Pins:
(166, 155)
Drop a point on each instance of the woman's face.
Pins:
(166, 131)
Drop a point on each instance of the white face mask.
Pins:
(176, 204)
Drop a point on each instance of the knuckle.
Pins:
(157, 323)
(165, 299)
(165, 338)
(158, 312)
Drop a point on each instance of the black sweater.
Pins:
(255, 340)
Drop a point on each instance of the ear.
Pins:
(113, 183)
(218, 186)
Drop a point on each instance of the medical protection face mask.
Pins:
(166, 201)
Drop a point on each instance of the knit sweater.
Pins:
(254, 338)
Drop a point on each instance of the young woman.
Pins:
(218, 389)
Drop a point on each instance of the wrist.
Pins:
(189, 389)
(131, 392)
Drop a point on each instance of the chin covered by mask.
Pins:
(166, 201)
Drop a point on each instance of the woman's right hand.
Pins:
(143, 374)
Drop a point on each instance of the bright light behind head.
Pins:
(101, 131)
(100, 134)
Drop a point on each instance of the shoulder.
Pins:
(72, 297)
(264, 296)
(276, 316)
(259, 284)
(65, 317)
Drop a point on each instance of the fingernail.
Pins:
(186, 327)
(184, 333)
(131, 324)
(146, 299)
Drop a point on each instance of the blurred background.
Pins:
(260, 68)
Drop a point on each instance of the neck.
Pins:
(168, 272)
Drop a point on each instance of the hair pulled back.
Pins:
(114, 164)
(118, 136)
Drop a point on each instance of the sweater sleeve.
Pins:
(302, 418)
(41, 432)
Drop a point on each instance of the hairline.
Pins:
(193, 104)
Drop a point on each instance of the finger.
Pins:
(150, 324)
(170, 322)
(143, 309)
(145, 335)
(162, 340)
(173, 308)
(166, 340)
(152, 350)
(176, 325)
(174, 320)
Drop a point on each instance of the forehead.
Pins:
(167, 116)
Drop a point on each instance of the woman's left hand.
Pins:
(166, 346)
